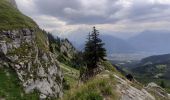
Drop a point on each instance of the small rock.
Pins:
(42, 96)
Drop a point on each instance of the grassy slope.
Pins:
(11, 18)
(97, 88)
(10, 89)
(41, 40)
(70, 74)
(103, 86)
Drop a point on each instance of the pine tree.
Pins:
(88, 51)
(94, 50)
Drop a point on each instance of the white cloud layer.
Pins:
(116, 17)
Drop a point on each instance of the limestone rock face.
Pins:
(158, 91)
(3, 47)
(150, 92)
(67, 48)
(37, 69)
(129, 92)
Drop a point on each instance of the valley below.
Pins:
(145, 68)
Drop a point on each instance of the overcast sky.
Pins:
(122, 18)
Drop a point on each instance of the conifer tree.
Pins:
(94, 50)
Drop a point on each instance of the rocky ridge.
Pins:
(37, 69)
(151, 92)
(67, 47)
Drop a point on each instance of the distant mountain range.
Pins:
(117, 45)
(113, 45)
(147, 41)
(151, 41)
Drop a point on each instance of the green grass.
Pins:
(10, 89)
(67, 68)
(95, 89)
(108, 66)
(168, 90)
(11, 18)
(71, 75)
(41, 40)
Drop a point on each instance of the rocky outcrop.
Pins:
(37, 69)
(129, 92)
(157, 91)
(67, 48)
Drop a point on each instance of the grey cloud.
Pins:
(74, 12)
(56, 7)
(149, 12)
